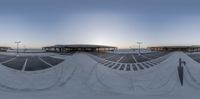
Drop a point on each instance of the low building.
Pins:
(176, 48)
(78, 47)
(4, 48)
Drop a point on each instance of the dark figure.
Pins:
(180, 70)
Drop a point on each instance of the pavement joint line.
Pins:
(8, 60)
(45, 62)
(24, 66)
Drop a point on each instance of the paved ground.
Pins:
(130, 58)
(195, 57)
(130, 62)
(34, 63)
(17, 63)
(51, 60)
(29, 63)
(4, 58)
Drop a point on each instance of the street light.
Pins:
(18, 42)
(139, 43)
(24, 48)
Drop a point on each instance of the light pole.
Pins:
(24, 48)
(139, 43)
(18, 42)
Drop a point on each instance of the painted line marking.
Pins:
(134, 58)
(45, 62)
(120, 58)
(8, 60)
(110, 57)
(24, 66)
(146, 57)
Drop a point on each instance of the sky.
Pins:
(121, 23)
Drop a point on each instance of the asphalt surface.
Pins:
(29, 63)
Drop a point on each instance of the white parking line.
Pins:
(134, 58)
(120, 58)
(45, 62)
(146, 57)
(8, 60)
(24, 66)
(110, 57)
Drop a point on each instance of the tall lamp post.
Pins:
(24, 48)
(18, 42)
(139, 43)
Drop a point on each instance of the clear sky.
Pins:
(119, 23)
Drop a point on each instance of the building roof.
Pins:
(80, 46)
(193, 46)
(5, 47)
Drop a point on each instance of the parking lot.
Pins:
(195, 57)
(29, 63)
(130, 58)
(130, 62)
